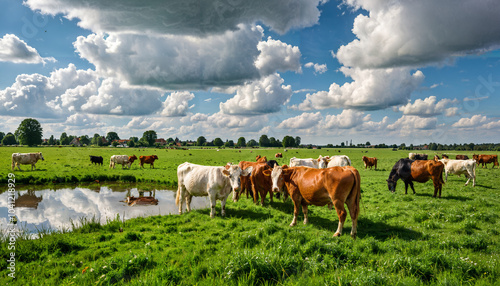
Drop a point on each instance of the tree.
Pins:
(229, 144)
(64, 140)
(297, 141)
(252, 143)
(218, 142)
(9, 139)
(115, 143)
(131, 143)
(135, 139)
(149, 137)
(112, 136)
(367, 143)
(29, 132)
(84, 139)
(200, 141)
(52, 141)
(2, 135)
(264, 141)
(241, 142)
(288, 141)
(273, 142)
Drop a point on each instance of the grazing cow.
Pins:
(339, 161)
(308, 186)
(421, 156)
(26, 159)
(212, 181)
(370, 162)
(261, 159)
(96, 160)
(121, 159)
(257, 182)
(131, 201)
(484, 160)
(278, 155)
(412, 156)
(148, 160)
(446, 157)
(459, 167)
(416, 170)
(459, 157)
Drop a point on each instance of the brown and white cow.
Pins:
(257, 182)
(484, 160)
(148, 160)
(278, 155)
(212, 181)
(261, 159)
(124, 160)
(26, 159)
(309, 186)
(460, 167)
(370, 162)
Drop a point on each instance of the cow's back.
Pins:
(197, 178)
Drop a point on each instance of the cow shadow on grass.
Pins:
(446, 197)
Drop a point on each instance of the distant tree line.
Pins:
(30, 133)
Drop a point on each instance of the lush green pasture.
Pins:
(402, 239)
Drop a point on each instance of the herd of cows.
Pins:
(328, 180)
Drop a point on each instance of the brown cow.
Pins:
(261, 159)
(148, 160)
(460, 157)
(141, 201)
(370, 162)
(309, 186)
(257, 182)
(416, 170)
(484, 160)
(131, 159)
(278, 155)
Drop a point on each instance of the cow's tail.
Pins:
(441, 176)
(356, 189)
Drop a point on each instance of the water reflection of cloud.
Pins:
(59, 207)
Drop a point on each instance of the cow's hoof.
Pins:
(336, 234)
(353, 235)
(292, 224)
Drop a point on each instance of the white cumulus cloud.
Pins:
(177, 104)
(429, 107)
(15, 50)
(474, 121)
(304, 121)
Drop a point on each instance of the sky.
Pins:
(375, 71)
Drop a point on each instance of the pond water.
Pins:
(53, 209)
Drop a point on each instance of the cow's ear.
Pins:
(285, 166)
(226, 173)
(267, 173)
(247, 171)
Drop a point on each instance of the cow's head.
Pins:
(132, 158)
(233, 172)
(40, 153)
(278, 174)
(155, 157)
(322, 162)
(391, 184)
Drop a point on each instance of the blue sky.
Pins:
(328, 71)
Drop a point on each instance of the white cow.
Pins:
(25, 159)
(459, 167)
(309, 162)
(339, 161)
(214, 182)
(121, 159)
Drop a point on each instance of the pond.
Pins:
(54, 209)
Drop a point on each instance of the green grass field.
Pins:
(402, 239)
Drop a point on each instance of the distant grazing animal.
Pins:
(278, 155)
(261, 159)
(484, 160)
(309, 186)
(212, 181)
(339, 161)
(416, 170)
(131, 201)
(461, 157)
(96, 160)
(121, 159)
(257, 183)
(436, 158)
(370, 162)
(459, 167)
(421, 156)
(26, 159)
(309, 162)
(148, 160)
(446, 157)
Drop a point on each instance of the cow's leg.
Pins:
(304, 211)
(412, 188)
(295, 211)
(436, 189)
(180, 198)
(351, 205)
(342, 214)
(188, 202)
(223, 206)
(446, 177)
(406, 188)
(213, 202)
(468, 176)
(18, 166)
